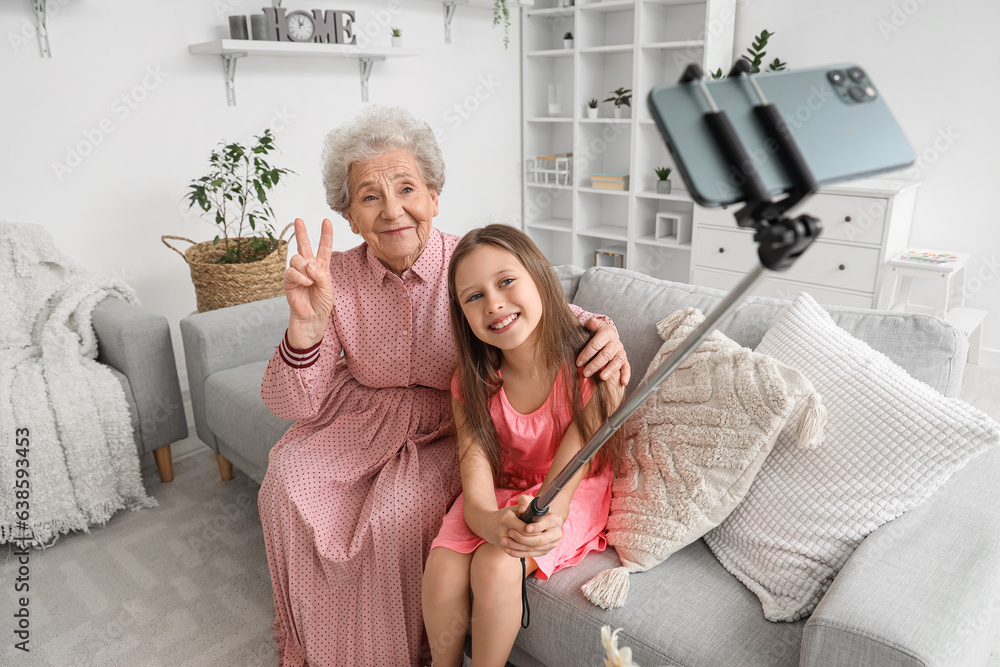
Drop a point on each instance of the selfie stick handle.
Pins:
(780, 242)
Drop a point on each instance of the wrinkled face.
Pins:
(498, 297)
(391, 207)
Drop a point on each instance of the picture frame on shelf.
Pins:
(613, 257)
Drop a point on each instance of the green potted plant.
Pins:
(568, 40)
(756, 56)
(663, 180)
(397, 36)
(592, 107)
(244, 262)
(622, 97)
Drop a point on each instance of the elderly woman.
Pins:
(356, 490)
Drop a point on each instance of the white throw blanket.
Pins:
(82, 460)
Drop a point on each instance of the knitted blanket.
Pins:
(60, 409)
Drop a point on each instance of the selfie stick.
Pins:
(780, 242)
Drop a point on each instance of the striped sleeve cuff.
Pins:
(297, 358)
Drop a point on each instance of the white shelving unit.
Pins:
(637, 44)
(233, 49)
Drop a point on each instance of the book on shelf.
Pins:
(552, 158)
(613, 178)
(609, 185)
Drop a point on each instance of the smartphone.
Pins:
(835, 114)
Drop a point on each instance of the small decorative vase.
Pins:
(663, 187)
(592, 113)
(618, 112)
(567, 43)
(258, 26)
(238, 27)
(397, 41)
(555, 97)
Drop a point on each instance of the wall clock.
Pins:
(301, 26)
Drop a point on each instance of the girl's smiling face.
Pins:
(498, 297)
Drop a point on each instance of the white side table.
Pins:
(942, 276)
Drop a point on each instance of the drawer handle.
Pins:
(847, 218)
(722, 250)
(841, 267)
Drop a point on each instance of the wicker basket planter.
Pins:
(222, 285)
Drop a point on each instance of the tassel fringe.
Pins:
(810, 429)
(608, 589)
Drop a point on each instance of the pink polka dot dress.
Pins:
(355, 491)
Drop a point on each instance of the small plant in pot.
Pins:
(397, 36)
(245, 262)
(663, 180)
(592, 107)
(568, 40)
(622, 97)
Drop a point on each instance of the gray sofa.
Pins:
(921, 590)
(136, 346)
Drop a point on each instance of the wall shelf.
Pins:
(233, 49)
(551, 53)
(610, 232)
(554, 225)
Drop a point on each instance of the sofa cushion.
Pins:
(686, 611)
(238, 416)
(926, 347)
(694, 448)
(890, 442)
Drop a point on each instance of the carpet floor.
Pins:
(186, 583)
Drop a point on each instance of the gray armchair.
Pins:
(136, 345)
(226, 352)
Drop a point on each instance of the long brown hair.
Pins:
(560, 337)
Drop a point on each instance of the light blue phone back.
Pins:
(840, 140)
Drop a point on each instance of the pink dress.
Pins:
(355, 490)
(529, 443)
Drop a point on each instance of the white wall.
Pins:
(935, 63)
(111, 206)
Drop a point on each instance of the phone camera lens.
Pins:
(856, 74)
(858, 93)
(836, 77)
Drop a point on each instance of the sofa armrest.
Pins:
(923, 589)
(137, 343)
(228, 338)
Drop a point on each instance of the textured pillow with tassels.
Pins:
(694, 448)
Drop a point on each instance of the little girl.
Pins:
(522, 410)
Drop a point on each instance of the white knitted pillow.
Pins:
(890, 442)
(694, 448)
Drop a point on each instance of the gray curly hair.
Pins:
(373, 132)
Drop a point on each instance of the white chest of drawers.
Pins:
(864, 223)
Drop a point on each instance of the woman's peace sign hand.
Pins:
(308, 287)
